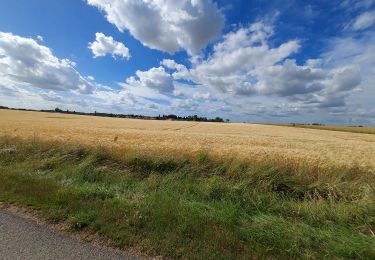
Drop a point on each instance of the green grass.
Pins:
(351, 129)
(195, 207)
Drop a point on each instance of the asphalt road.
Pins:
(24, 239)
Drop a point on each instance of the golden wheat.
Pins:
(220, 139)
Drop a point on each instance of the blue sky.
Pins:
(255, 61)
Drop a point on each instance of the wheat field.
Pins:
(195, 190)
(175, 137)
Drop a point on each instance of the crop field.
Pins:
(195, 190)
(249, 141)
(351, 129)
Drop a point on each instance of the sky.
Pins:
(246, 60)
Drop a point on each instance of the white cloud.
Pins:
(243, 65)
(364, 21)
(155, 78)
(181, 71)
(171, 64)
(185, 104)
(24, 62)
(358, 55)
(40, 38)
(104, 45)
(354, 5)
(165, 25)
(233, 65)
(344, 78)
(51, 96)
(288, 79)
(201, 96)
(246, 75)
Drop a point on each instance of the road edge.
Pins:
(31, 214)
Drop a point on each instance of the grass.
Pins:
(350, 129)
(195, 206)
(177, 137)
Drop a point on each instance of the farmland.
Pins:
(171, 137)
(195, 190)
(351, 129)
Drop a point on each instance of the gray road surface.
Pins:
(24, 239)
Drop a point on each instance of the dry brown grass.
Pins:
(171, 137)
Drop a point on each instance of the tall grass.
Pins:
(195, 206)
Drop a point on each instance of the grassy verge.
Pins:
(195, 207)
(351, 129)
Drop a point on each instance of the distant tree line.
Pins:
(318, 124)
(314, 124)
(133, 116)
(190, 118)
(160, 117)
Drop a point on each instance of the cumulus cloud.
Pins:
(245, 75)
(234, 63)
(359, 53)
(185, 104)
(155, 78)
(244, 65)
(51, 96)
(24, 62)
(104, 45)
(180, 71)
(363, 21)
(289, 79)
(165, 25)
(344, 79)
(232, 66)
(171, 64)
